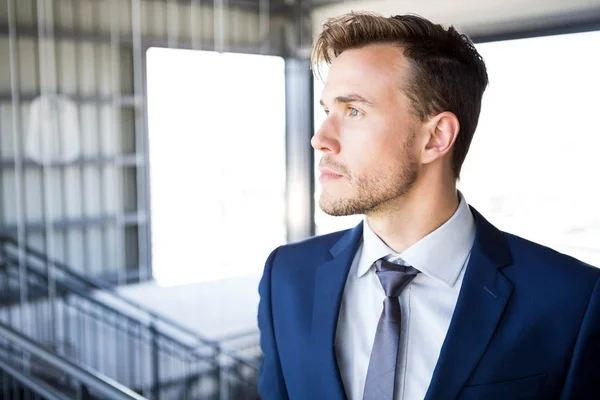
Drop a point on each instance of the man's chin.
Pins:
(339, 208)
(337, 213)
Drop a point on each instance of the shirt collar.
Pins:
(440, 255)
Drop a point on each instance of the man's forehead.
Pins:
(345, 83)
(369, 88)
(365, 70)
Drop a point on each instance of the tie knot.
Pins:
(394, 277)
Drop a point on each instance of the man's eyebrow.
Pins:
(350, 98)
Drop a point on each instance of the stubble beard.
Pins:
(375, 193)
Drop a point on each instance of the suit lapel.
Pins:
(481, 302)
(330, 281)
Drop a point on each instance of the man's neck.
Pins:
(414, 216)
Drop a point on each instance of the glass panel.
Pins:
(532, 168)
(217, 162)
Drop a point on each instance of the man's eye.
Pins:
(354, 112)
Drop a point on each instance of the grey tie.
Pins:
(381, 374)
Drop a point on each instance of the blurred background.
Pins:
(154, 152)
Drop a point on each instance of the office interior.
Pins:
(154, 152)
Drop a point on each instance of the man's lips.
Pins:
(328, 174)
(327, 171)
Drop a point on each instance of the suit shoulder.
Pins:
(293, 264)
(532, 253)
(312, 246)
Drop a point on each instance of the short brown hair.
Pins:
(447, 72)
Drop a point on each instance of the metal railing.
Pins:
(96, 327)
(29, 369)
(240, 374)
(14, 384)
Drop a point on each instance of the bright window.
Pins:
(533, 166)
(217, 162)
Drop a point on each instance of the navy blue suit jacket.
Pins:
(526, 324)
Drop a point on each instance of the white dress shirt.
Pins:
(427, 305)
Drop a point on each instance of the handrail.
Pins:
(40, 388)
(92, 379)
(238, 335)
(105, 288)
(97, 284)
(106, 307)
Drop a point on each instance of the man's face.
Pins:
(370, 152)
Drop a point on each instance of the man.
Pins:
(425, 299)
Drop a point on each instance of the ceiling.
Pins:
(474, 17)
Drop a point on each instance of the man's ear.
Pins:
(442, 131)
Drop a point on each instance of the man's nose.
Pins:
(325, 138)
